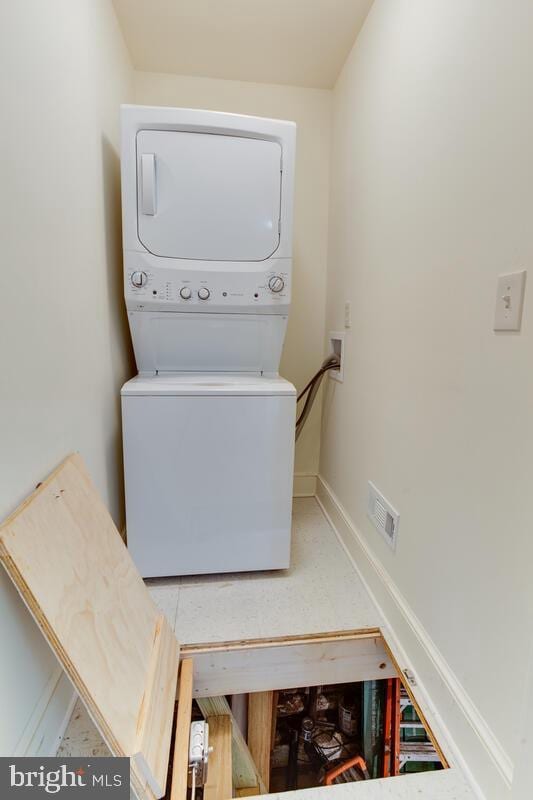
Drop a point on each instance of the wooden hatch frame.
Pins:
(73, 571)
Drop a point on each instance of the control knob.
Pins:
(276, 284)
(185, 293)
(204, 293)
(139, 279)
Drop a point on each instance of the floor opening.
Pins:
(330, 734)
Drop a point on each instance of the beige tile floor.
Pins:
(320, 592)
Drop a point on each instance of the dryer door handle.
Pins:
(148, 191)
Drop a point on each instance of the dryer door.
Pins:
(208, 197)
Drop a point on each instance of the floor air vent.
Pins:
(384, 517)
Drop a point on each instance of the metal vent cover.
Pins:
(383, 515)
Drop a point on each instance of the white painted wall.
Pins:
(64, 347)
(432, 198)
(310, 109)
(522, 780)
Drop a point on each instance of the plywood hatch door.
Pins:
(69, 563)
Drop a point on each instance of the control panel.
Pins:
(154, 287)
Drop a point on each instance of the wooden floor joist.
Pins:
(260, 731)
(245, 772)
(258, 669)
(180, 762)
(219, 774)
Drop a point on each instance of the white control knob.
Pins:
(185, 293)
(276, 284)
(139, 278)
(204, 293)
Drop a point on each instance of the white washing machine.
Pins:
(208, 424)
(208, 463)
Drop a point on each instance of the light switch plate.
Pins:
(509, 301)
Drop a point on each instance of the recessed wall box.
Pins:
(336, 346)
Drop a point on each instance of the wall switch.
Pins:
(347, 315)
(509, 301)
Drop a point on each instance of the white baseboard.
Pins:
(448, 707)
(304, 485)
(46, 727)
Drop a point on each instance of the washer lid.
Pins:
(213, 385)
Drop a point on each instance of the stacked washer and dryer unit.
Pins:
(208, 424)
